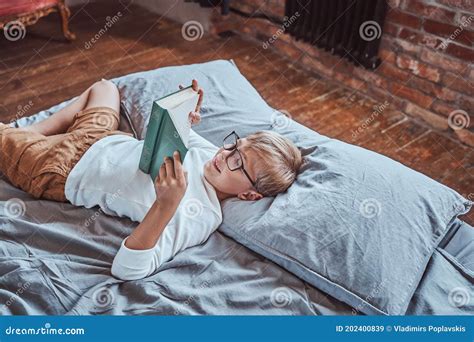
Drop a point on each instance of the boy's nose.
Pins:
(225, 153)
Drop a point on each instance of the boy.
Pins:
(78, 155)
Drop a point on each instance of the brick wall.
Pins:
(427, 57)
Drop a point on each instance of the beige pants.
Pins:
(40, 164)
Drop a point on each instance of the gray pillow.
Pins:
(355, 224)
(229, 99)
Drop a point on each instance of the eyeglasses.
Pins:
(235, 160)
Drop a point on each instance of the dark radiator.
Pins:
(349, 28)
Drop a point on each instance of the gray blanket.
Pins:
(55, 259)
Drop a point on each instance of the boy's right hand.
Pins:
(171, 183)
(195, 116)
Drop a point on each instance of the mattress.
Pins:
(55, 259)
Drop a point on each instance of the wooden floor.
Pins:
(38, 71)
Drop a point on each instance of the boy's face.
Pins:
(233, 183)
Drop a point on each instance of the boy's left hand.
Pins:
(195, 116)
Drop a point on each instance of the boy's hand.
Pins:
(170, 186)
(171, 183)
(195, 117)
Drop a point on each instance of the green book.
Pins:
(168, 129)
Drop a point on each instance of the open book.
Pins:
(168, 129)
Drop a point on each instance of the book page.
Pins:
(175, 99)
(180, 116)
(179, 105)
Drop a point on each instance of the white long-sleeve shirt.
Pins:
(108, 175)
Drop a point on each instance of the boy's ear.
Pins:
(250, 195)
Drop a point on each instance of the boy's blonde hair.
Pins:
(281, 158)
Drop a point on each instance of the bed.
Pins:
(55, 258)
